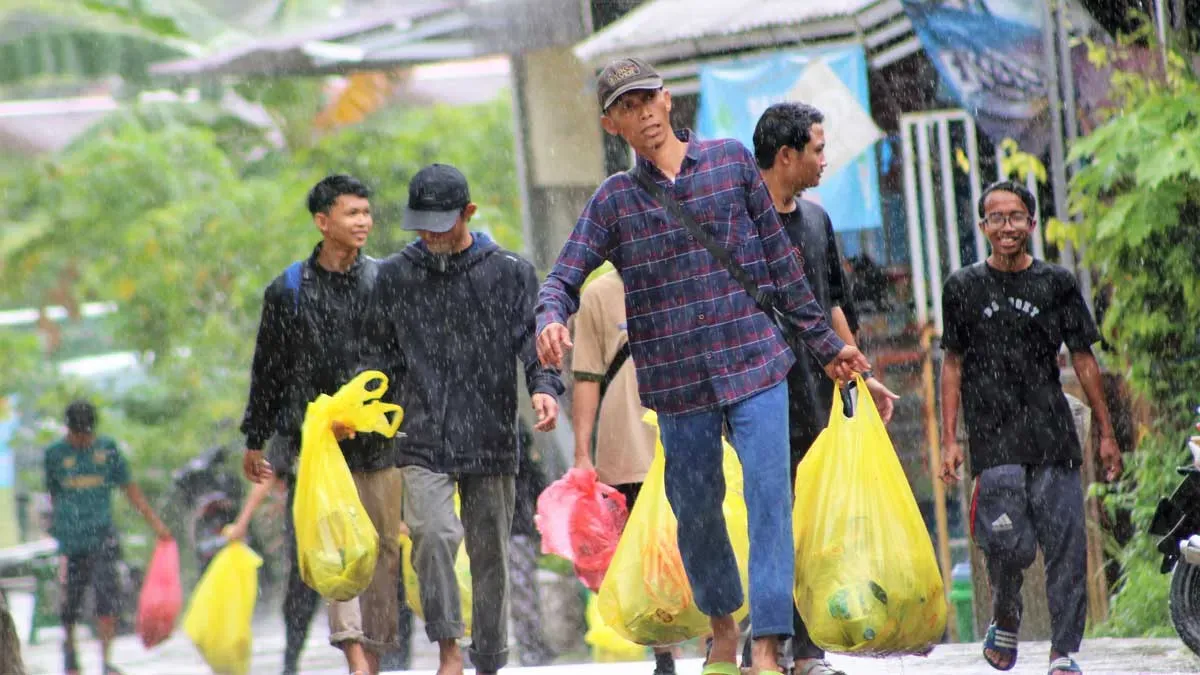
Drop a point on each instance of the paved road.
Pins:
(177, 657)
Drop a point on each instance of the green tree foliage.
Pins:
(1137, 199)
(167, 215)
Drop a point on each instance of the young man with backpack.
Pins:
(708, 272)
(789, 145)
(308, 344)
(1006, 320)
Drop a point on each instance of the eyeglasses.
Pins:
(1017, 218)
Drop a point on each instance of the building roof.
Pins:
(675, 30)
(412, 31)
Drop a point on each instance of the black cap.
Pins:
(436, 197)
(625, 75)
(81, 417)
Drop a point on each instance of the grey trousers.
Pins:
(1017, 508)
(526, 606)
(487, 513)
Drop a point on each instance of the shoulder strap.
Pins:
(291, 281)
(761, 298)
(619, 360)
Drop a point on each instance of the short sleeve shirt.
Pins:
(1009, 327)
(80, 482)
(624, 443)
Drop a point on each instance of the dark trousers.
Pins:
(300, 601)
(1017, 508)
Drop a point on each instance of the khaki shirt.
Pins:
(624, 443)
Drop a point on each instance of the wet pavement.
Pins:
(178, 657)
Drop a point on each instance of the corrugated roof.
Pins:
(661, 23)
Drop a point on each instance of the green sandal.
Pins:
(721, 668)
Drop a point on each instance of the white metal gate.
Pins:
(932, 205)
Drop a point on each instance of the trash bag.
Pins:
(221, 607)
(462, 571)
(867, 581)
(646, 597)
(161, 598)
(581, 519)
(336, 543)
(607, 646)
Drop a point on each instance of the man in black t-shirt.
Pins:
(789, 146)
(1005, 321)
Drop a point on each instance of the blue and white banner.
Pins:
(734, 94)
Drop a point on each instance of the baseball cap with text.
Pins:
(625, 75)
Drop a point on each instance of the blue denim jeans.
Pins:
(696, 488)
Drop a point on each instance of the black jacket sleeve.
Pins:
(268, 372)
(538, 379)
(379, 341)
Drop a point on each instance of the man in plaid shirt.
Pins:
(706, 355)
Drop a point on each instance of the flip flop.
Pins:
(1064, 664)
(721, 668)
(1002, 641)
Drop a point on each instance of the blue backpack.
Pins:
(291, 281)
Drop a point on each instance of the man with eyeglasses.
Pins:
(1005, 321)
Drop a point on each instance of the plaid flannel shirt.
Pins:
(697, 338)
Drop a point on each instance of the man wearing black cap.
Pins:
(81, 471)
(708, 353)
(308, 345)
(452, 314)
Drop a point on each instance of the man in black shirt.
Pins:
(308, 344)
(1005, 321)
(789, 146)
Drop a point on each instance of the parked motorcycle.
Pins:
(210, 496)
(1177, 521)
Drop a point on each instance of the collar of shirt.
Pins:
(690, 157)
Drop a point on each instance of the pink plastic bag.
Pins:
(581, 519)
(162, 596)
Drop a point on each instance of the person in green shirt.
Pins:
(81, 471)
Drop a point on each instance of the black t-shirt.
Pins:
(810, 391)
(1008, 327)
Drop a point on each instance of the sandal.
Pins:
(721, 668)
(819, 667)
(1002, 641)
(1064, 664)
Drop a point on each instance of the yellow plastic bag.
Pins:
(645, 596)
(462, 571)
(867, 581)
(607, 646)
(221, 607)
(336, 542)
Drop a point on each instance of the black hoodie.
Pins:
(449, 331)
(308, 344)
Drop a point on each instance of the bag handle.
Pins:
(865, 401)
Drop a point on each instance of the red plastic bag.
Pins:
(581, 519)
(162, 596)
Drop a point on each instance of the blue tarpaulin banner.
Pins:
(734, 94)
(990, 57)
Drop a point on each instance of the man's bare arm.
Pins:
(951, 390)
(585, 403)
(1088, 372)
(138, 500)
(841, 326)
